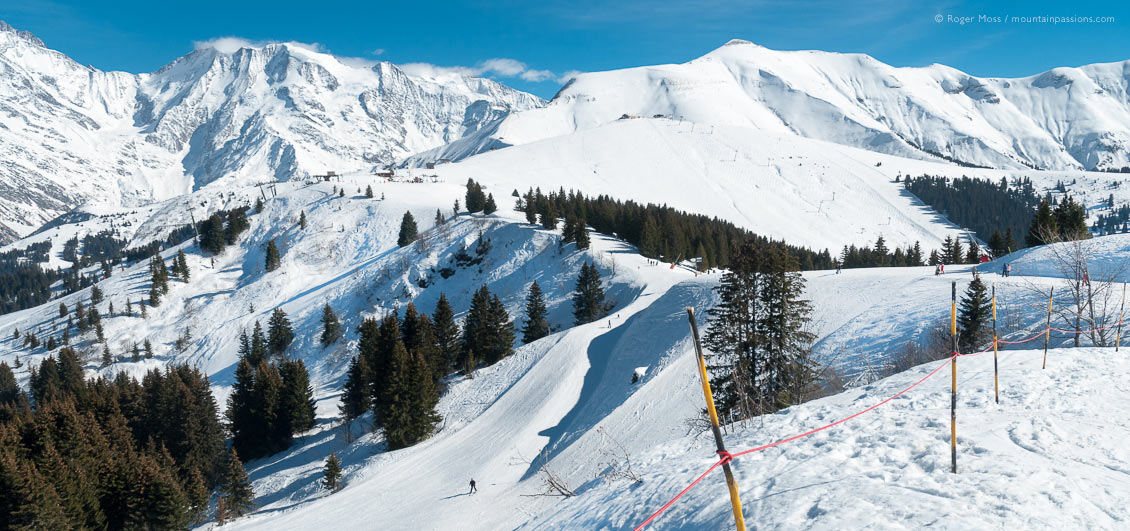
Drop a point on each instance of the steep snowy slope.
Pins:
(569, 396)
(1063, 119)
(73, 134)
(1049, 456)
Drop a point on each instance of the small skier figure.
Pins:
(1008, 270)
(473, 489)
(837, 268)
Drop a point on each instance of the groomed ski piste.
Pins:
(567, 400)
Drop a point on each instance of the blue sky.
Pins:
(534, 45)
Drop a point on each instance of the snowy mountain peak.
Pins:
(229, 111)
(8, 33)
(738, 42)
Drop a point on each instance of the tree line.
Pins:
(111, 454)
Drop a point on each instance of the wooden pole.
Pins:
(735, 501)
(996, 373)
(1121, 309)
(1048, 332)
(953, 373)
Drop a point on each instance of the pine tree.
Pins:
(588, 297)
(212, 237)
(581, 234)
(258, 346)
(650, 241)
(1043, 228)
(258, 205)
(135, 353)
(154, 297)
(331, 474)
(96, 295)
(62, 309)
(182, 266)
(531, 209)
(279, 333)
(148, 349)
(129, 307)
(271, 428)
(407, 230)
(273, 260)
(475, 198)
(973, 255)
(536, 326)
(236, 491)
(997, 244)
(10, 392)
(237, 223)
(759, 349)
(369, 191)
(957, 255)
(394, 405)
(881, 251)
(197, 494)
(549, 217)
(914, 257)
(107, 359)
(331, 327)
(302, 220)
(447, 333)
(489, 206)
(408, 407)
(296, 403)
(240, 409)
(439, 218)
(973, 317)
(501, 342)
(356, 397)
(487, 330)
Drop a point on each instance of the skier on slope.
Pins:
(473, 489)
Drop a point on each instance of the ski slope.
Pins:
(567, 398)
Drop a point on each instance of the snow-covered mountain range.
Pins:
(72, 134)
(1062, 119)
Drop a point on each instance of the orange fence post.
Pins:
(1118, 334)
(735, 501)
(996, 374)
(953, 372)
(1048, 333)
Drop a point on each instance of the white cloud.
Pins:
(429, 70)
(536, 76)
(504, 67)
(225, 44)
(234, 44)
(378, 51)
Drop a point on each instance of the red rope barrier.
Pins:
(726, 457)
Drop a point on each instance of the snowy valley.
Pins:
(804, 148)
